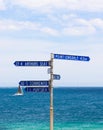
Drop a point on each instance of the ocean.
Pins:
(75, 108)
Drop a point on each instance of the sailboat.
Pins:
(19, 92)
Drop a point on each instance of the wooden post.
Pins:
(51, 94)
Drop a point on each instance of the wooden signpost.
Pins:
(46, 83)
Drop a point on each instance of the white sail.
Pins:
(19, 92)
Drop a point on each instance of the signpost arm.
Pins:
(51, 93)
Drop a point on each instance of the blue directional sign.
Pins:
(32, 63)
(56, 77)
(37, 89)
(71, 57)
(34, 83)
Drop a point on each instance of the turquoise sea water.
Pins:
(79, 108)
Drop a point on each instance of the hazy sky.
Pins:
(32, 29)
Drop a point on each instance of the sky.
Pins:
(30, 30)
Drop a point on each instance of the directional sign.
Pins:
(32, 63)
(71, 57)
(37, 89)
(56, 77)
(34, 83)
(49, 70)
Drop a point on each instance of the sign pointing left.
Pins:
(37, 89)
(34, 83)
(32, 63)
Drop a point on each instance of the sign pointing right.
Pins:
(71, 57)
(56, 77)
